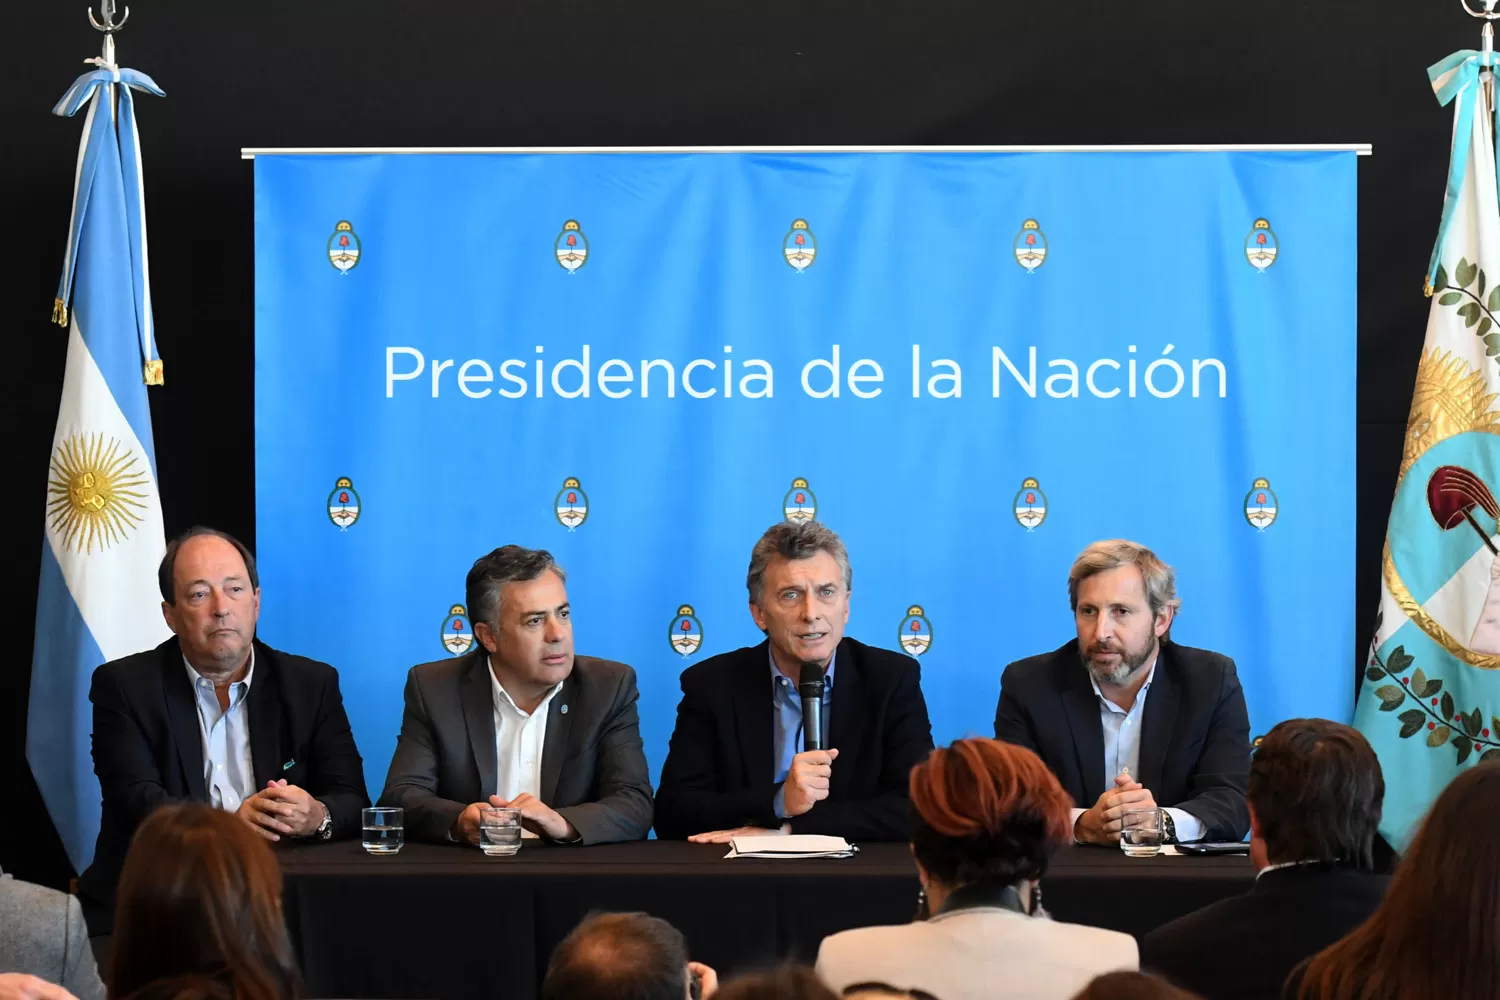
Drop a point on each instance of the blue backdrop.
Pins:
(451, 354)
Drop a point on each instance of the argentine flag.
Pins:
(97, 598)
(1430, 699)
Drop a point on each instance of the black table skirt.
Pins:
(448, 922)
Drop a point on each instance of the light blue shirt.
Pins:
(786, 706)
(1122, 750)
(228, 772)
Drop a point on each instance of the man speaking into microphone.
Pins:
(808, 732)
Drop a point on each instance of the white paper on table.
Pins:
(795, 845)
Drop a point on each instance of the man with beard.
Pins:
(1128, 719)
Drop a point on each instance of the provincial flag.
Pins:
(1431, 690)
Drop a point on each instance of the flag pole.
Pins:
(110, 26)
(1487, 35)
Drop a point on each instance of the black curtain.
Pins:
(655, 72)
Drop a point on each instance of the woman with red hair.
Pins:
(986, 818)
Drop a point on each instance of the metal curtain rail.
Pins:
(1359, 148)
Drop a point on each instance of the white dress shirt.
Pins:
(1122, 751)
(1284, 864)
(519, 738)
(228, 772)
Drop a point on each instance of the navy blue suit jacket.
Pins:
(1195, 733)
(719, 769)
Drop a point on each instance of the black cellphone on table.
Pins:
(1221, 847)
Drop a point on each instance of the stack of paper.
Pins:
(796, 845)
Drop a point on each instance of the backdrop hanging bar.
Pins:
(1359, 148)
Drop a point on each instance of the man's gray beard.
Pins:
(1120, 673)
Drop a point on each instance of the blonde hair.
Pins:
(1101, 557)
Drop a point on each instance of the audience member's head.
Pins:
(984, 813)
(1315, 795)
(1132, 986)
(1437, 931)
(625, 956)
(788, 982)
(882, 991)
(200, 895)
(184, 988)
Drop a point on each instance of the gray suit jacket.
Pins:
(593, 764)
(42, 934)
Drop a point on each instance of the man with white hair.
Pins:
(1128, 719)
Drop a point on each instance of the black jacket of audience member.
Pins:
(1195, 731)
(720, 768)
(1244, 947)
(148, 749)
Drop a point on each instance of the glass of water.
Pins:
(1142, 834)
(499, 830)
(384, 829)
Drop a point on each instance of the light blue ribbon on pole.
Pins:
(107, 82)
(1462, 71)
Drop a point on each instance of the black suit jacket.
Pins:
(148, 750)
(719, 768)
(1195, 732)
(593, 769)
(1244, 947)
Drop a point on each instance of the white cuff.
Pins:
(1073, 815)
(1189, 827)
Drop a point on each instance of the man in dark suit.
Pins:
(1315, 796)
(520, 721)
(214, 715)
(1126, 718)
(736, 764)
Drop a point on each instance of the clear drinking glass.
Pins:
(1142, 833)
(499, 831)
(384, 829)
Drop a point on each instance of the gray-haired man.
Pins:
(736, 763)
(496, 725)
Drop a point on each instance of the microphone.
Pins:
(810, 687)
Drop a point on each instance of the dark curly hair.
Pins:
(986, 811)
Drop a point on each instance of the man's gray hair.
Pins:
(507, 564)
(794, 540)
(1101, 557)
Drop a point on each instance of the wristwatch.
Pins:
(325, 828)
(1168, 828)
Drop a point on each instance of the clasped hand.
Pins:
(1103, 823)
(536, 816)
(282, 810)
